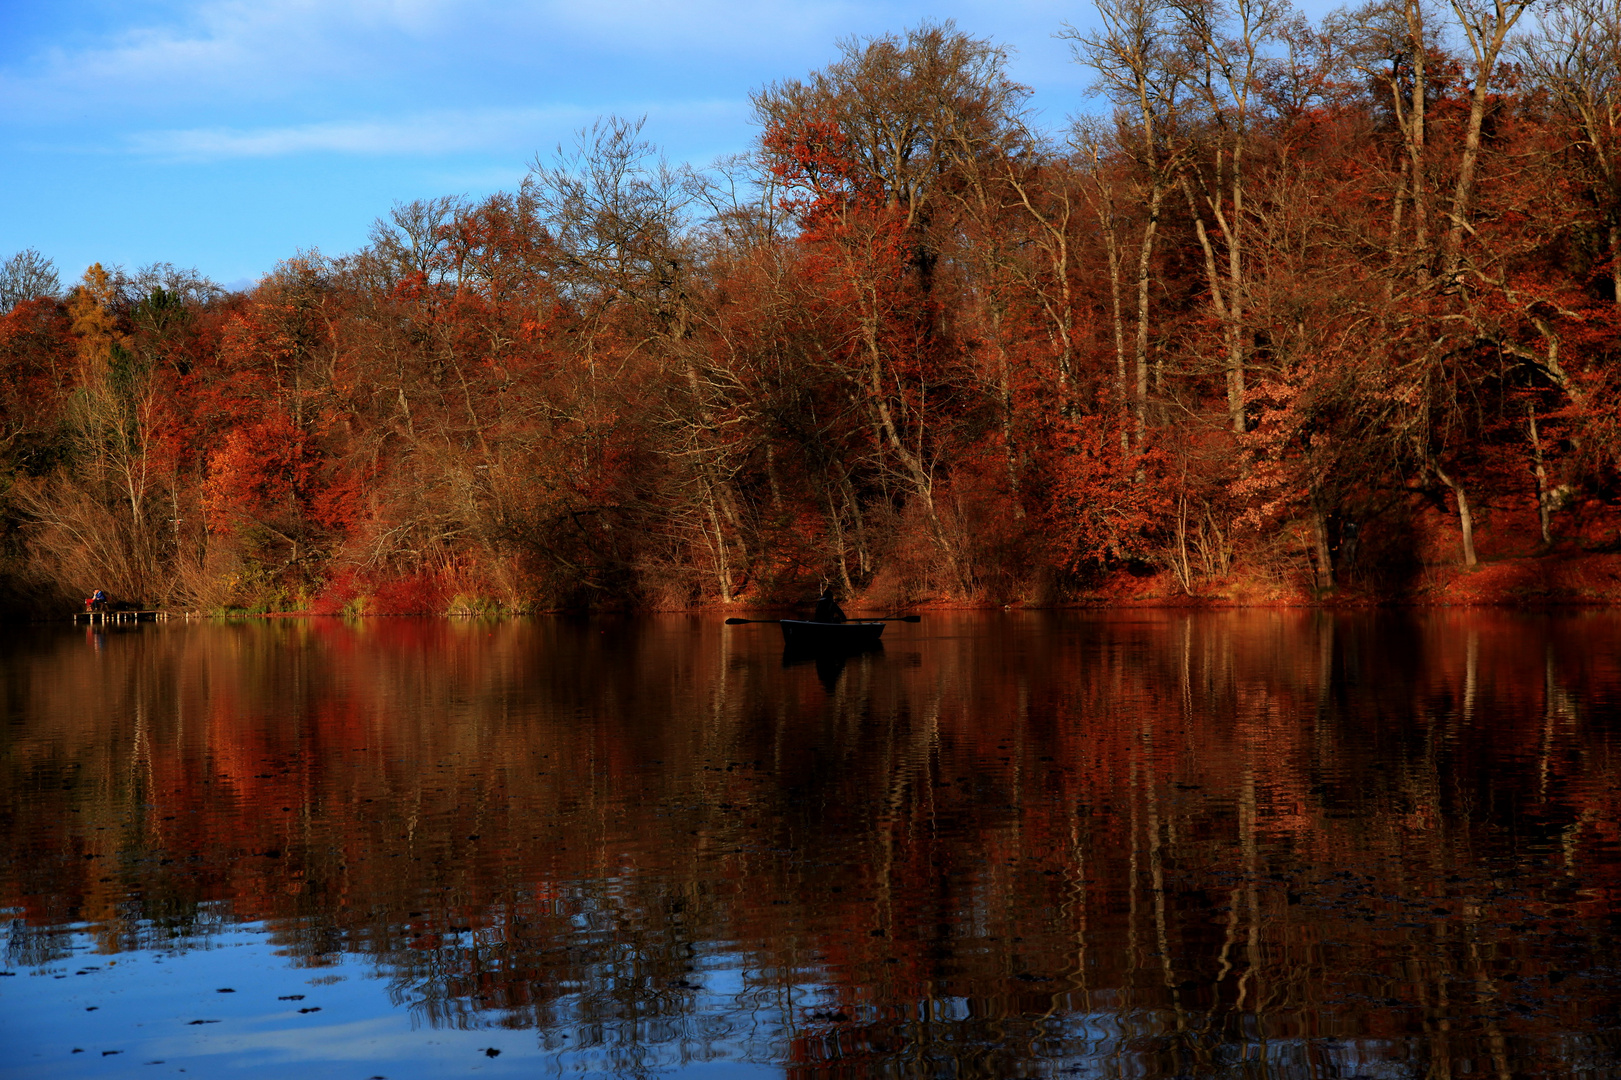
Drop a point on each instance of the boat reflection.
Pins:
(829, 659)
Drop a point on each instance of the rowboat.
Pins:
(853, 635)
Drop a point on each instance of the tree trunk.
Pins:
(1324, 557)
(1145, 255)
(1541, 473)
(1010, 454)
(1615, 258)
(1223, 297)
(723, 568)
(1117, 311)
(1415, 127)
(716, 486)
(835, 520)
(922, 484)
(1466, 519)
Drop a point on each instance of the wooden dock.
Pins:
(106, 617)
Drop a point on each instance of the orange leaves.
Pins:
(1109, 501)
(411, 289)
(337, 505)
(251, 347)
(256, 474)
(811, 156)
(421, 593)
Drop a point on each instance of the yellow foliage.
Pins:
(94, 323)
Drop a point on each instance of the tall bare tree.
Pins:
(1485, 25)
(618, 218)
(1145, 75)
(1229, 57)
(1575, 54)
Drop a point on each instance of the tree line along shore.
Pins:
(1311, 312)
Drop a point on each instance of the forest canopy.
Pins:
(1312, 309)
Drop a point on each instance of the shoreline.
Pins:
(1530, 583)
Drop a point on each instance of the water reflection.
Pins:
(1233, 844)
(829, 661)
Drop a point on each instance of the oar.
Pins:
(893, 618)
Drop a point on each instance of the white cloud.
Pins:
(447, 132)
(254, 49)
(232, 49)
(429, 134)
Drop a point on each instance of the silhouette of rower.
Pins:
(827, 608)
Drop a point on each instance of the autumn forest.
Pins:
(1309, 311)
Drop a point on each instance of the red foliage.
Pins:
(424, 592)
(1110, 503)
(257, 474)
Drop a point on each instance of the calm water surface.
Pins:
(1133, 845)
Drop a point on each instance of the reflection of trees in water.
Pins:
(29, 945)
(1154, 846)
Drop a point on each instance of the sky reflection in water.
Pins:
(1155, 844)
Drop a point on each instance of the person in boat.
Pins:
(827, 608)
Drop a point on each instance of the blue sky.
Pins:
(228, 134)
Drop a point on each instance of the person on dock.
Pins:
(827, 608)
(97, 601)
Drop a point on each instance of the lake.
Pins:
(1134, 844)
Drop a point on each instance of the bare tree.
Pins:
(618, 219)
(1228, 56)
(411, 239)
(1485, 25)
(869, 145)
(1576, 57)
(26, 276)
(1391, 42)
(1144, 75)
(101, 514)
